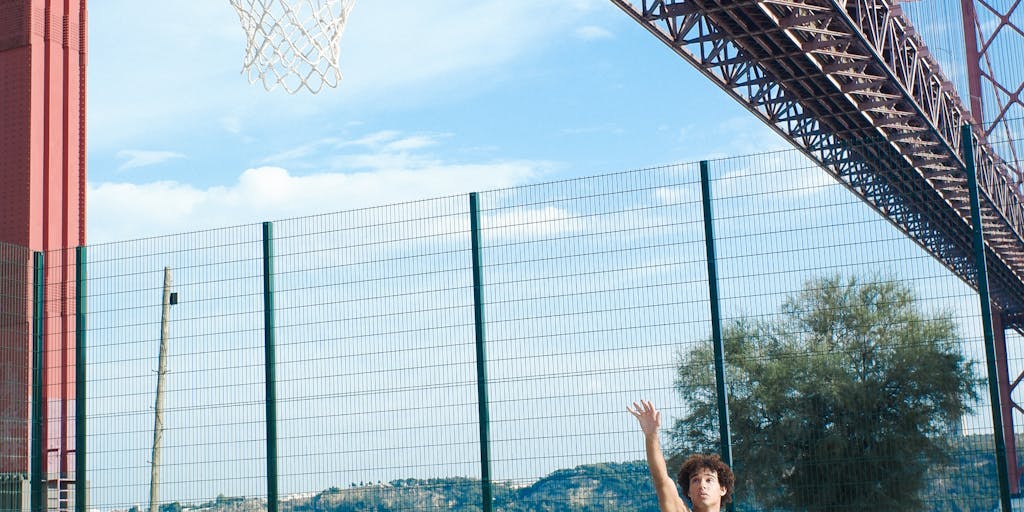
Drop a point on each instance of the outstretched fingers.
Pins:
(636, 411)
(644, 407)
(648, 416)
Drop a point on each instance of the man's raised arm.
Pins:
(650, 420)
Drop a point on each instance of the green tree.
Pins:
(844, 401)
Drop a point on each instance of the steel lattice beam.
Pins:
(851, 85)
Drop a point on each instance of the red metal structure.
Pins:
(848, 82)
(997, 90)
(852, 84)
(997, 97)
(42, 207)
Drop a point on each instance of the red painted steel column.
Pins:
(1006, 403)
(993, 37)
(42, 206)
(970, 20)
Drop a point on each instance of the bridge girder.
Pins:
(852, 85)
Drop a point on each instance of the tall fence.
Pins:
(479, 352)
(15, 308)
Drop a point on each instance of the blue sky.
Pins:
(438, 98)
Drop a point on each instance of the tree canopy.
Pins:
(843, 401)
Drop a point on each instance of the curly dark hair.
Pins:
(712, 462)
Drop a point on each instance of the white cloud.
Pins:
(414, 142)
(375, 139)
(786, 175)
(388, 140)
(299, 152)
(123, 211)
(727, 137)
(811, 179)
(592, 32)
(120, 211)
(143, 158)
(673, 195)
(177, 62)
(381, 150)
(531, 222)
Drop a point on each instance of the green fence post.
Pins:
(481, 356)
(269, 362)
(81, 494)
(716, 317)
(967, 142)
(37, 484)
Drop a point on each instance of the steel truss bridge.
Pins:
(852, 84)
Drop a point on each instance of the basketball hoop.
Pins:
(293, 43)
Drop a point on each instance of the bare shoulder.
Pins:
(674, 505)
(668, 497)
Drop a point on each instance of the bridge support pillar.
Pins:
(1006, 402)
(42, 208)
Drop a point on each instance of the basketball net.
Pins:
(293, 43)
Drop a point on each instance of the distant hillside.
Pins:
(593, 487)
(969, 483)
(596, 488)
(608, 487)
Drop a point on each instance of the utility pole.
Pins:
(158, 426)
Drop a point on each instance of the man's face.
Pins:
(705, 492)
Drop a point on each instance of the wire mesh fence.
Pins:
(399, 376)
(15, 307)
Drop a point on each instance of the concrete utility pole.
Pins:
(158, 426)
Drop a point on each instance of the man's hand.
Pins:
(650, 420)
(647, 415)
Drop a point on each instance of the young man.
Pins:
(706, 481)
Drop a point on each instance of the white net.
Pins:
(293, 43)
